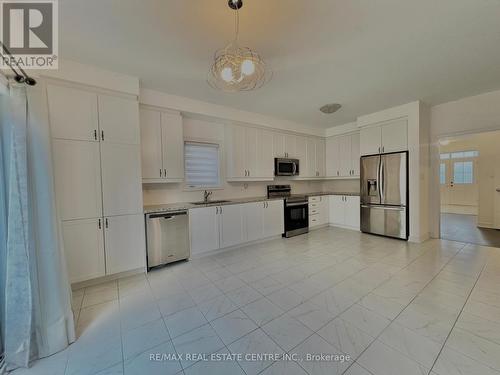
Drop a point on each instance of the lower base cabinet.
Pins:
(318, 211)
(103, 246)
(219, 227)
(344, 211)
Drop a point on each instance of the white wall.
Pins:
(209, 131)
(471, 115)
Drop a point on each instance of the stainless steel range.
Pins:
(296, 209)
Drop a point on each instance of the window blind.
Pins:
(201, 165)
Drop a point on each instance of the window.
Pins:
(463, 172)
(445, 156)
(459, 155)
(442, 173)
(201, 165)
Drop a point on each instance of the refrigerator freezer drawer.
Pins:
(383, 220)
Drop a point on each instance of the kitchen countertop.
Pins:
(171, 207)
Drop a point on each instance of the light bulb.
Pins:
(247, 67)
(227, 74)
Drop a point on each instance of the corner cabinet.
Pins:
(219, 227)
(162, 146)
(391, 136)
(342, 156)
(96, 158)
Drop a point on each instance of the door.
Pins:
(151, 148)
(393, 172)
(265, 155)
(172, 140)
(77, 174)
(395, 136)
(204, 229)
(236, 149)
(337, 209)
(274, 224)
(369, 180)
(251, 151)
(345, 155)
(254, 220)
(496, 199)
(72, 113)
(301, 155)
(370, 140)
(320, 158)
(384, 220)
(352, 213)
(121, 179)
(124, 243)
(332, 157)
(355, 154)
(310, 168)
(119, 120)
(231, 225)
(84, 248)
(463, 186)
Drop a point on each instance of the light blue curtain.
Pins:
(37, 320)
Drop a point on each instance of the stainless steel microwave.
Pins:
(286, 167)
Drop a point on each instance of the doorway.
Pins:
(468, 179)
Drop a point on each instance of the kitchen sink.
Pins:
(209, 202)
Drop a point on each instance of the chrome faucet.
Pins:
(206, 195)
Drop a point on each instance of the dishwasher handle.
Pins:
(167, 216)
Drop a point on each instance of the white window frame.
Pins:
(219, 186)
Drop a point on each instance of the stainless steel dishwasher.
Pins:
(167, 237)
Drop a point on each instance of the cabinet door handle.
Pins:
(160, 172)
(95, 134)
(220, 209)
(216, 210)
(165, 173)
(99, 224)
(102, 135)
(106, 222)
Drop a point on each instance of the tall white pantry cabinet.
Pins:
(97, 168)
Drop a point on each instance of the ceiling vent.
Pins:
(330, 108)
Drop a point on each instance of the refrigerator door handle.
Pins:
(381, 180)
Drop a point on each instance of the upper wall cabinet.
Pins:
(162, 146)
(342, 156)
(284, 145)
(73, 113)
(390, 136)
(314, 165)
(118, 118)
(249, 153)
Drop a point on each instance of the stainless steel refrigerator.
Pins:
(384, 194)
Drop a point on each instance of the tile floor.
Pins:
(458, 227)
(393, 307)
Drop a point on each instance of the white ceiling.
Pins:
(367, 55)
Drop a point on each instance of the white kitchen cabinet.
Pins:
(284, 145)
(352, 211)
(343, 156)
(124, 243)
(151, 147)
(273, 218)
(344, 211)
(248, 153)
(254, 220)
(332, 157)
(309, 169)
(172, 139)
(320, 158)
(204, 229)
(265, 156)
(318, 211)
(301, 155)
(72, 113)
(118, 119)
(77, 175)
(121, 179)
(231, 225)
(162, 146)
(391, 136)
(84, 248)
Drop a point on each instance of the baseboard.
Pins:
(419, 239)
(100, 280)
(316, 227)
(222, 250)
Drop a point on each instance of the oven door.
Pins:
(296, 218)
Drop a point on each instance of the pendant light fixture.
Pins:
(236, 68)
